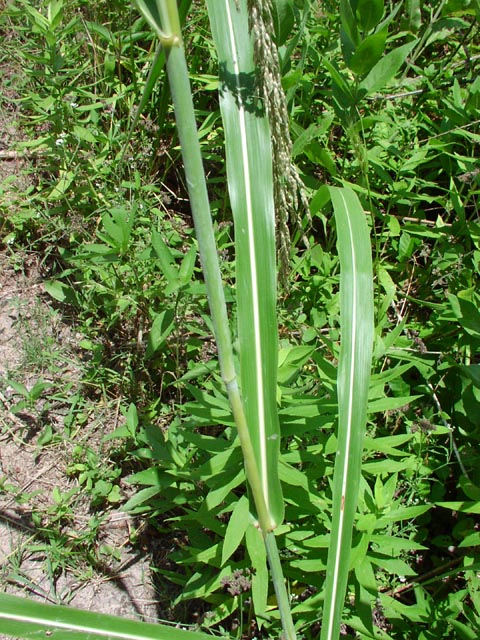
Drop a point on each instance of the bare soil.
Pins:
(44, 518)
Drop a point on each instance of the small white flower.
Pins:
(61, 139)
(74, 105)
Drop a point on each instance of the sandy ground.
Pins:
(36, 344)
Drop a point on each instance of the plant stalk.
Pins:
(177, 71)
(283, 600)
(200, 206)
(191, 154)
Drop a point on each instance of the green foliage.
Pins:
(354, 365)
(382, 96)
(251, 190)
(79, 625)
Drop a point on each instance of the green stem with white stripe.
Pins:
(26, 618)
(357, 327)
(258, 264)
(197, 190)
(250, 185)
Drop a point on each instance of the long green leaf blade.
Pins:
(24, 618)
(356, 325)
(250, 182)
(165, 20)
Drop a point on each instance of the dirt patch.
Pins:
(54, 546)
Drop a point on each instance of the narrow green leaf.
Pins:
(218, 495)
(349, 23)
(390, 403)
(414, 12)
(385, 69)
(464, 631)
(20, 388)
(406, 513)
(368, 53)
(131, 417)
(283, 15)
(151, 12)
(118, 223)
(357, 329)
(348, 47)
(100, 30)
(389, 466)
(392, 565)
(59, 291)
(25, 618)
(236, 528)
(188, 264)
(162, 327)
(250, 182)
(369, 13)
(463, 507)
(340, 85)
(82, 133)
(141, 498)
(258, 556)
(165, 256)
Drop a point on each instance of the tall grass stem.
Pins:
(200, 206)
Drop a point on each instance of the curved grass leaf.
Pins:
(258, 556)
(250, 183)
(356, 320)
(236, 528)
(24, 618)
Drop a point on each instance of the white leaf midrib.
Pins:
(72, 627)
(253, 265)
(346, 460)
